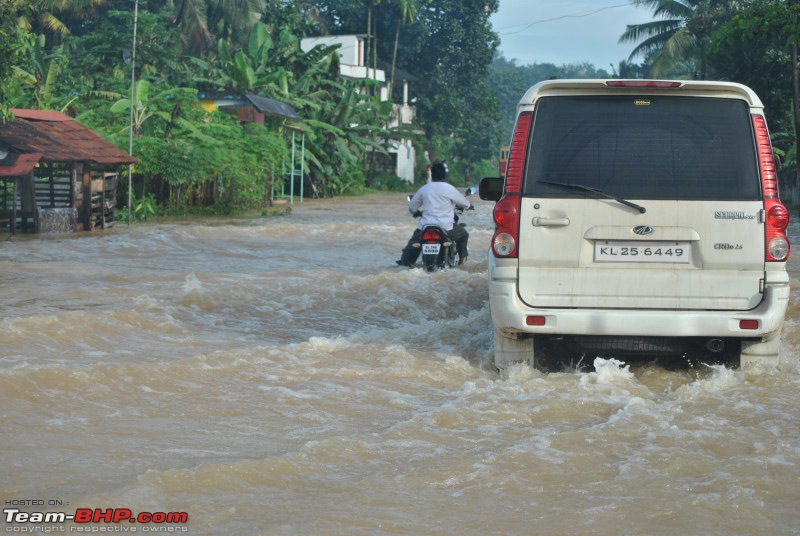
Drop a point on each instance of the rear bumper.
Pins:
(509, 315)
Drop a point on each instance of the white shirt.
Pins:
(437, 200)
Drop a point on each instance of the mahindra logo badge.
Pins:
(643, 230)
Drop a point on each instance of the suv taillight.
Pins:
(506, 211)
(776, 216)
(516, 157)
(506, 219)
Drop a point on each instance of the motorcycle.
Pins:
(439, 251)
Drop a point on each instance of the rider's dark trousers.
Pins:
(458, 234)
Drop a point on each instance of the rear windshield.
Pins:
(645, 147)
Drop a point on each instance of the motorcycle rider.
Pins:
(438, 199)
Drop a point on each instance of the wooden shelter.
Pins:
(56, 174)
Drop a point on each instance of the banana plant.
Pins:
(146, 111)
(245, 70)
(41, 70)
(142, 109)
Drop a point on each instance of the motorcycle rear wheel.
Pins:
(430, 264)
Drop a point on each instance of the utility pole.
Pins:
(133, 91)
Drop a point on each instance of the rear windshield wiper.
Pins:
(595, 191)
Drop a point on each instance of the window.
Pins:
(644, 147)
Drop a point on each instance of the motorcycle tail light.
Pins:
(431, 235)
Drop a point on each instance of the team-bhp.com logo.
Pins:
(87, 519)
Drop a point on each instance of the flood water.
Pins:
(281, 376)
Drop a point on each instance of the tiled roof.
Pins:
(59, 138)
(15, 164)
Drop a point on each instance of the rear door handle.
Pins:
(550, 222)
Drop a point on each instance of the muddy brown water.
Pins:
(281, 376)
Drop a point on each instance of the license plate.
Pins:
(628, 251)
(430, 249)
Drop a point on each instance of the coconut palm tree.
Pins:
(43, 15)
(681, 32)
(372, 35)
(201, 21)
(408, 12)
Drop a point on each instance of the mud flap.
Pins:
(765, 352)
(511, 350)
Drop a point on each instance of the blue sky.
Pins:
(566, 31)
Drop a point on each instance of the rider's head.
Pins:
(438, 171)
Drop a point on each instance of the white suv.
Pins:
(638, 220)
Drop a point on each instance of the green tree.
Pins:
(509, 81)
(13, 43)
(39, 73)
(452, 65)
(100, 53)
(407, 11)
(682, 31)
(300, 17)
(142, 110)
(754, 48)
(260, 66)
(339, 119)
(191, 157)
(47, 15)
(342, 120)
(201, 21)
(758, 47)
(448, 47)
(628, 69)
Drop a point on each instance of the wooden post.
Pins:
(83, 201)
(14, 207)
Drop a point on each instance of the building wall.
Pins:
(351, 55)
(406, 158)
(351, 51)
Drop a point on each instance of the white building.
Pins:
(352, 65)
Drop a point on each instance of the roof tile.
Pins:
(59, 138)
